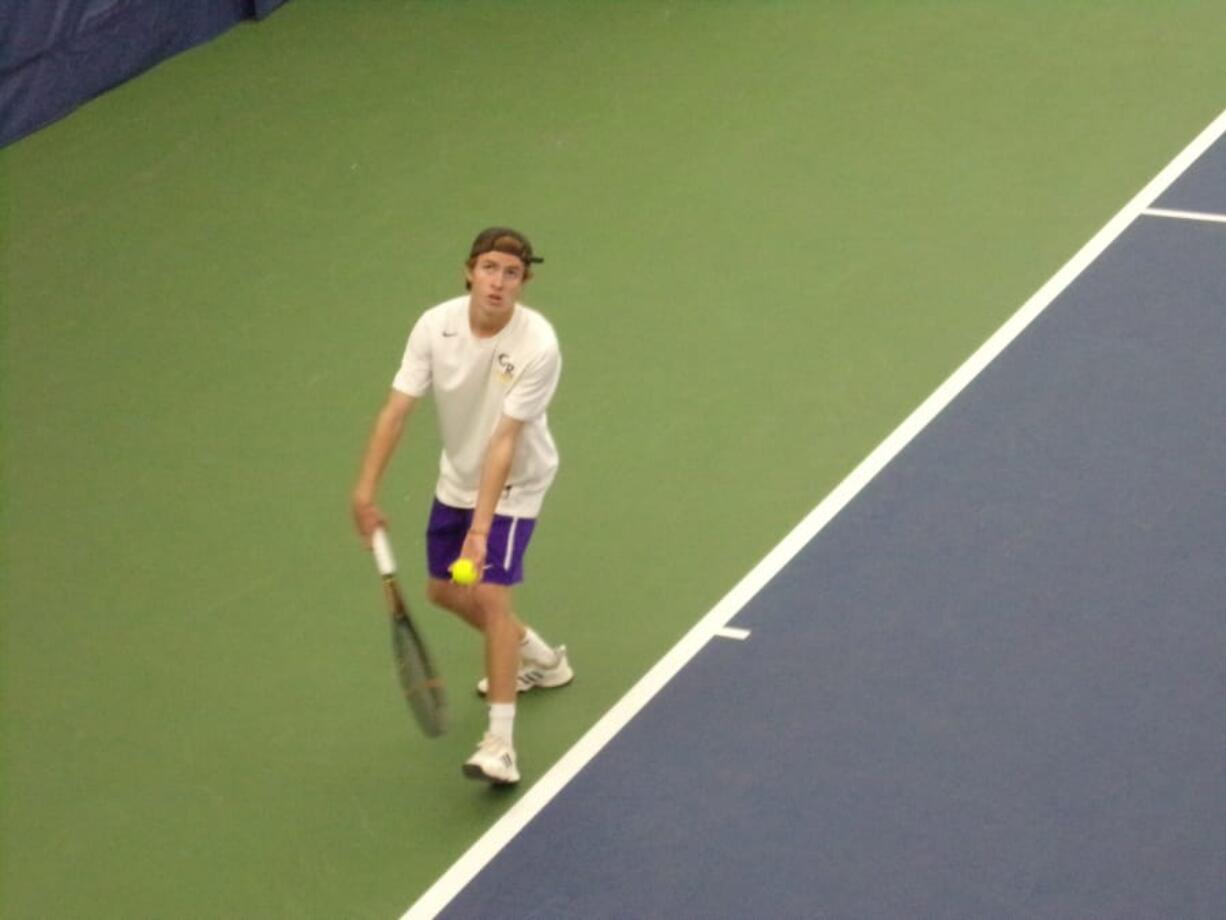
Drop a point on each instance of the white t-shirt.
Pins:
(475, 381)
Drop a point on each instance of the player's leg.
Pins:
(494, 760)
(503, 634)
(539, 663)
(458, 599)
(505, 640)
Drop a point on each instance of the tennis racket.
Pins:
(423, 688)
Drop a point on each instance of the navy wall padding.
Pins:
(56, 54)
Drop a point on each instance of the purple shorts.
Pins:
(506, 544)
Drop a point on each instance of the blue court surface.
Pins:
(992, 686)
(1202, 187)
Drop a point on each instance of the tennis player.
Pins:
(492, 365)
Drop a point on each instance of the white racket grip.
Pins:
(384, 559)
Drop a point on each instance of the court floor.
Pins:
(771, 230)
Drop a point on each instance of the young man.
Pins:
(493, 365)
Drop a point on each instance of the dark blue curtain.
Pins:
(56, 54)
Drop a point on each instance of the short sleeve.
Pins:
(414, 376)
(529, 396)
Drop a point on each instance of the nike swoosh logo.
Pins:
(448, 335)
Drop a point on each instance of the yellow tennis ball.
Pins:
(463, 572)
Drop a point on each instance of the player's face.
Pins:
(496, 279)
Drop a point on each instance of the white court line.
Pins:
(732, 632)
(1186, 215)
(504, 830)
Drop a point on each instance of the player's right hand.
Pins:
(367, 517)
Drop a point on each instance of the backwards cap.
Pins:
(504, 239)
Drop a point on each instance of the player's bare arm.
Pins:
(389, 425)
(494, 472)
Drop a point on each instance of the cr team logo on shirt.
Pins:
(506, 368)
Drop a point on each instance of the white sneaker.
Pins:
(534, 674)
(494, 762)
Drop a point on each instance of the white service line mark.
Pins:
(1186, 215)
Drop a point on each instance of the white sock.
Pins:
(533, 648)
(502, 721)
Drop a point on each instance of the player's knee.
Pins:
(493, 601)
(440, 593)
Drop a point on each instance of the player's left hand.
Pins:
(475, 551)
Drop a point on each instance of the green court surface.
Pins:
(770, 230)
